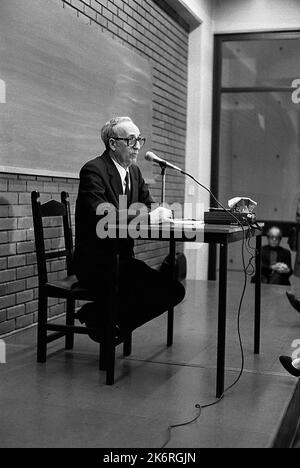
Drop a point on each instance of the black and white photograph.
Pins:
(149, 227)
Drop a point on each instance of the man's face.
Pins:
(274, 237)
(125, 155)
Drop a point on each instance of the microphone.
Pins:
(151, 157)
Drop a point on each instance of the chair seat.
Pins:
(69, 282)
(68, 287)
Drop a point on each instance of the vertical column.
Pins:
(110, 348)
(222, 319)
(171, 309)
(257, 295)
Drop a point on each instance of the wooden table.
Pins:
(221, 235)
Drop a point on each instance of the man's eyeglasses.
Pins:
(132, 141)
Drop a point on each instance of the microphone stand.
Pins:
(172, 253)
(163, 182)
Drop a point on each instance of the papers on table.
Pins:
(186, 222)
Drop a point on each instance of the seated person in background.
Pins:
(294, 242)
(276, 267)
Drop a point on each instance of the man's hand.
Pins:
(281, 267)
(159, 215)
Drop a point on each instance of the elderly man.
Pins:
(276, 261)
(144, 293)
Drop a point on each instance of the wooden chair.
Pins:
(67, 288)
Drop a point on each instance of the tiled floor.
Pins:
(65, 402)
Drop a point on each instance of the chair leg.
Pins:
(170, 326)
(70, 321)
(102, 357)
(42, 330)
(110, 339)
(107, 354)
(107, 362)
(110, 370)
(127, 345)
(170, 317)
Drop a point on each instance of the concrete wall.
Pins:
(256, 15)
(198, 146)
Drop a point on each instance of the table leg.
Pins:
(110, 348)
(257, 295)
(222, 319)
(171, 309)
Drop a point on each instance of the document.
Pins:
(187, 222)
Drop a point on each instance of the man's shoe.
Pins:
(293, 300)
(97, 334)
(88, 315)
(286, 361)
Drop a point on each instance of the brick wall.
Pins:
(144, 27)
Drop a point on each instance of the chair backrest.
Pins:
(51, 209)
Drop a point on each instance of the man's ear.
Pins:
(112, 144)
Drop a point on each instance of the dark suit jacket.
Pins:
(284, 256)
(100, 182)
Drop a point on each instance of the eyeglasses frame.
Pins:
(138, 139)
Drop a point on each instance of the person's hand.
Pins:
(276, 267)
(281, 267)
(160, 214)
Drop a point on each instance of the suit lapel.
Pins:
(134, 186)
(114, 177)
(116, 183)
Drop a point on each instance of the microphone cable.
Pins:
(245, 244)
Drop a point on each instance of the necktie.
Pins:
(127, 191)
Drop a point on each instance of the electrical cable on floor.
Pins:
(252, 252)
(245, 245)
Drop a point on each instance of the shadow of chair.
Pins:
(67, 288)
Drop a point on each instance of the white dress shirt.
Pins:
(122, 171)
